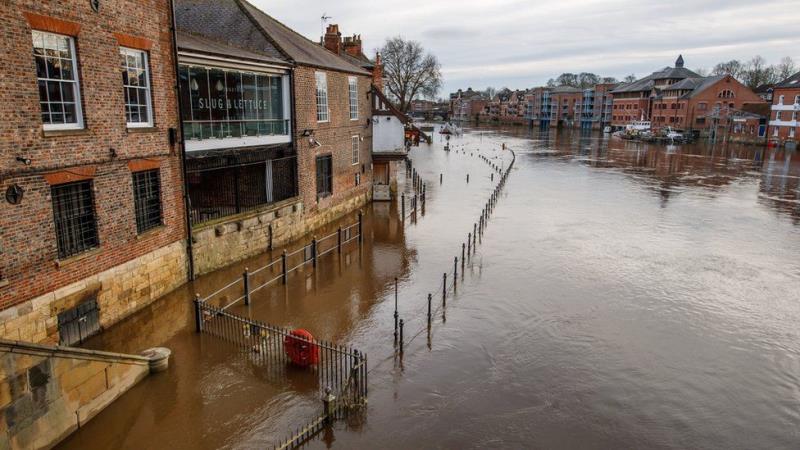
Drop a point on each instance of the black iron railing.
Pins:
(238, 186)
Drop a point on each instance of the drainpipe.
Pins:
(292, 132)
(182, 143)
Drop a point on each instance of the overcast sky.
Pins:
(523, 43)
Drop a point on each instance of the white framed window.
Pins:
(355, 148)
(797, 99)
(352, 83)
(57, 75)
(136, 84)
(791, 133)
(323, 114)
(780, 100)
(775, 131)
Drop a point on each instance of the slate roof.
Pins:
(647, 83)
(202, 44)
(225, 22)
(239, 24)
(363, 62)
(565, 90)
(791, 82)
(300, 49)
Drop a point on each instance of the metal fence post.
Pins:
(270, 237)
(401, 335)
(455, 268)
(469, 243)
(360, 226)
(396, 315)
(403, 203)
(474, 235)
(314, 251)
(246, 282)
(339, 239)
(198, 314)
(283, 265)
(462, 256)
(467, 178)
(429, 309)
(440, 178)
(444, 288)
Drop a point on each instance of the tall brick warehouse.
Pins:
(92, 221)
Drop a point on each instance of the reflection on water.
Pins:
(625, 295)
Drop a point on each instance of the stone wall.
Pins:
(119, 292)
(217, 245)
(46, 392)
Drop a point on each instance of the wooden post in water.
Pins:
(339, 239)
(360, 226)
(429, 310)
(444, 289)
(462, 256)
(403, 203)
(401, 336)
(455, 268)
(269, 247)
(469, 243)
(395, 311)
(314, 251)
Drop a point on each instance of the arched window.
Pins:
(727, 93)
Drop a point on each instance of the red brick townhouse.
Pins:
(785, 115)
(278, 130)
(92, 225)
(633, 101)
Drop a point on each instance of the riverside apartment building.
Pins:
(92, 225)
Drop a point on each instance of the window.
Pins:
(73, 212)
(221, 104)
(727, 93)
(324, 175)
(797, 99)
(355, 148)
(352, 83)
(780, 100)
(777, 115)
(775, 131)
(136, 83)
(147, 199)
(702, 106)
(322, 97)
(57, 74)
(701, 120)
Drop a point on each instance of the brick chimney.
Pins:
(352, 45)
(333, 39)
(377, 72)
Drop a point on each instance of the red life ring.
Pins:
(304, 351)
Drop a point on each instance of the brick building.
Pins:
(467, 105)
(93, 224)
(785, 112)
(315, 134)
(594, 110)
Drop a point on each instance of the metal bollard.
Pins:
(403, 203)
(474, 235)
(455, 268)
(339, 239)
(463, 246)
(440, 178)
(395, 311)
(467, 178)
(469, 243)
(246, 282)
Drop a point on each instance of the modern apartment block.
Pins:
(93, 226)
(595, 107)
(785, 112)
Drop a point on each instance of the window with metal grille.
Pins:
(322, 96)
(136, 83)
(352, 83)
(73, 212)
(324, 175)
(147, 199)
(57, 75)
(355, 148)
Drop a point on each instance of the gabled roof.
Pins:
(360, 61)
(703, 83)
(296, 46)
(647, 83)
(223, 21)
(239, 24)
(565, 90)
(791, 82)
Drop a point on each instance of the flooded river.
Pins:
(624, 295)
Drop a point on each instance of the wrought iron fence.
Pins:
(242, 288)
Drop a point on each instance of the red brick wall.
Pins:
(625, 110)
(27, 235)
(710, 96)
(334, 135)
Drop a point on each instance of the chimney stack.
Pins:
(333, 39)
(377, 72)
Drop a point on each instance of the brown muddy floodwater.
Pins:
(624, 295)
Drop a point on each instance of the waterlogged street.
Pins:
(623, 295)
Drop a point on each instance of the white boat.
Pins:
(449, 128)
(639, 125)
(607, 129)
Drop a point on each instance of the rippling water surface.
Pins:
(624, 295)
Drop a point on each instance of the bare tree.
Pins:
(551, 83)
(702, 71)
(733, 68)
(629, 79)
(587, 80)
(489, 92)
(785, 68)
(567, 79)
(610, 80)
(410, 72)
(756, 73)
